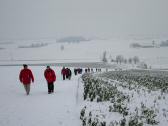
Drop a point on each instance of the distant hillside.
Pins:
(1, 48)
(33, 45)
(72, 39)
(150, 45)
(137, 45)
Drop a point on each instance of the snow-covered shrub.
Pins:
(100, 90)
(149, 115)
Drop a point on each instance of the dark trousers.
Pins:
(63, 76)
(69, 77)
(50, 87)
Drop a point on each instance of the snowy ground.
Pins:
(90, 51)
(63, 107)
(125, 100)
(39, 108)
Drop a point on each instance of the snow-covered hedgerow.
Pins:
(122, 103)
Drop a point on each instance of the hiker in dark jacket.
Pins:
(69, 74)
(75, 71)
(86, 70)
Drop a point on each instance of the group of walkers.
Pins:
(26, 76)
(77, 71)
(90, 70)
(66, 73)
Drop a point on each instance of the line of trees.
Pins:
(120, 59)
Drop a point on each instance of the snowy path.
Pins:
(39, 108)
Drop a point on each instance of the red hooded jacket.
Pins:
(64, 71)
(50, 75)
(26, 76)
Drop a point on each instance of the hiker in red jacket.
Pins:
(50, 78)
(26, 77)
(64, 72)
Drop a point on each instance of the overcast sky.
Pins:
(53, 18)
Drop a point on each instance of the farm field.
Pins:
(121, 98)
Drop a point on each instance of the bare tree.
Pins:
(130, 60)
(112, 60)
(119, 59)
(125, 61)
(62, 47)
(153, 43)
(136, 59)
(104, 59)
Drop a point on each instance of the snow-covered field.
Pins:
(39, 108)
(125, 98)
(88, 51)
(63, 107)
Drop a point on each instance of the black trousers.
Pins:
(63, 76)
(50, 87)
